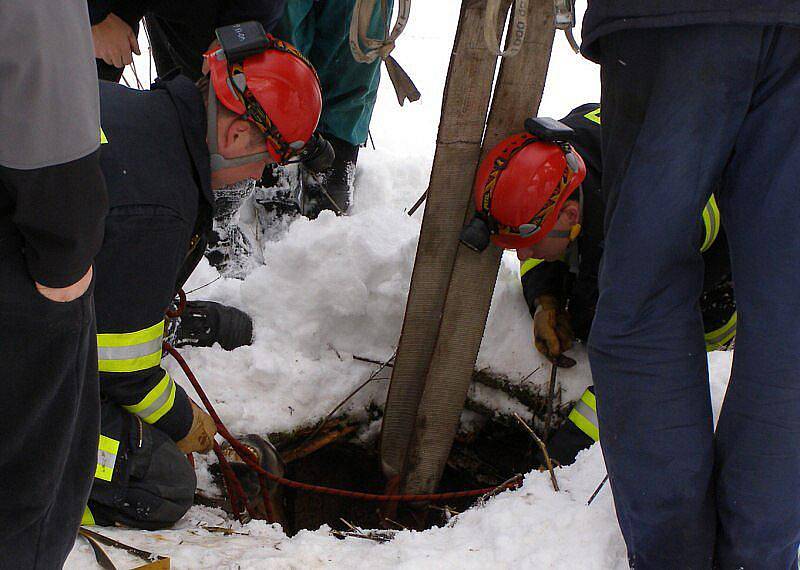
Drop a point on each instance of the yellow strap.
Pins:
(88, 518)
(528, 264)
(103, 139)
(711, 223)
(594, 116)
(157, 402)
(718, 338)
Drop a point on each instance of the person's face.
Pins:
(553, 248)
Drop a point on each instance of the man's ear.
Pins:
(236, 139)
(571, 212)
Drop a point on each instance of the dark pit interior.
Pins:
(485, 459)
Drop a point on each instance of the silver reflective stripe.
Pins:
(158, 402)
(129, 352)
(722, 334)
(106, 459)
(583, 409)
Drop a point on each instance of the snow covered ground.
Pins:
(335, 287)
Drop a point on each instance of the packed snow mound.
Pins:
(326, 293)
(332, 288)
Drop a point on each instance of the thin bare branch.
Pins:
(543, 447)
(597, 491)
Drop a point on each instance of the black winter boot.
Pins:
(332, 189)
(566, 443)
(204, 323)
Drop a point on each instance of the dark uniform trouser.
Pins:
(49, 416)
(682, 108)
(153, 483)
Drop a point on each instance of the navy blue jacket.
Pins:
(606, 16)
(149, 133)
(156, 158)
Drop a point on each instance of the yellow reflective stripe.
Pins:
(718, 338)
(107, 451)
(130, 352)
(589, 399)
(529, 264)
(103, 139)
(166, 407)
(88, 518)
(711, 223)
(131, 364)
(586, 425)
(584, 415)
(157, 402)
(131, 338)
(594, 116)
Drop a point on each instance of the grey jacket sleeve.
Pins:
(50, 135)
(49, 104)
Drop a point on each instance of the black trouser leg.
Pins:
(156, 484)
(49, 416)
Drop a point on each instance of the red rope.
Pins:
(181, 305)
(251, 462)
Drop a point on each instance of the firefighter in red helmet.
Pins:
(168, 155)
(521, 188)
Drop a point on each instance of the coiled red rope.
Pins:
(238, 496)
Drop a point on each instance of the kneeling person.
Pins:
(165, 153)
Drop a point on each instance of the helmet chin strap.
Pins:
(219, 162)
(575, 230)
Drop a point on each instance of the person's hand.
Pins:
(552, 332)
(114, 41)
(69, 293)
(200, 438)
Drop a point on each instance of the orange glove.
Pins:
(552, 333)
(200, 438)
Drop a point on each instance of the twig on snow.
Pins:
(543, 447)
(550, 395)
(356, 532)
(597, 491)
(372, 361)
(501, 487)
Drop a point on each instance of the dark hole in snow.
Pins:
(487, 457)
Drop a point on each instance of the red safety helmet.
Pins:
(521, 186)
(277, 89)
